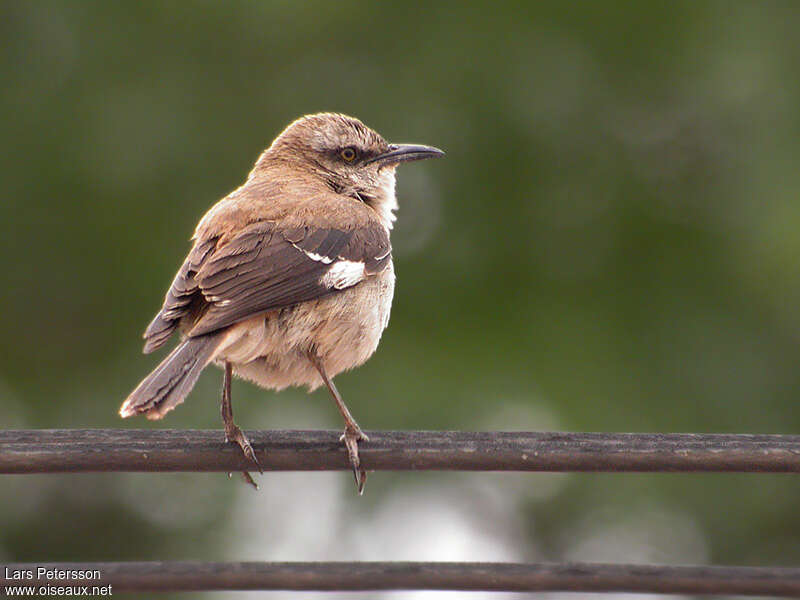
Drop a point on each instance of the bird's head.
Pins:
(352, 159)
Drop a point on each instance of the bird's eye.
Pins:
(348, 154)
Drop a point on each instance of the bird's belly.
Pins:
(343, 329)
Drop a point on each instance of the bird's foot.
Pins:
(234, 434)
(351, 437)
(248, 479)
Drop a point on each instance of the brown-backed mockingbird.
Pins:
(290, 279)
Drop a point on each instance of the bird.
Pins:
(290, 279)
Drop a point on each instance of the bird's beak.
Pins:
(398, 153)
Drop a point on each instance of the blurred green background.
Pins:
(611, 244)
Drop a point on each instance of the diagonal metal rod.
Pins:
(92, 450)
(365, 576)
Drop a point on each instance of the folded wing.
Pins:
(264, 268)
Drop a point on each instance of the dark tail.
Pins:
(172, 380)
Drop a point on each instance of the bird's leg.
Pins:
(352, 432)
(232, 431)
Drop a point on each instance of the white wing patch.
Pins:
(325, 260)
(343, 274)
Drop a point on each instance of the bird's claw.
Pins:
(234, 434)
(351, 437)
(247, 479)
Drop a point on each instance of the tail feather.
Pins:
(172, 380)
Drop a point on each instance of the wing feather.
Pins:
(179, 297)
(261, 269)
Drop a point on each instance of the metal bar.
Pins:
(93, 450)
(360, 576)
